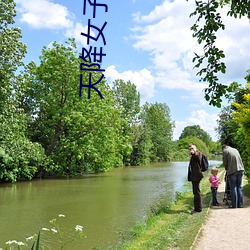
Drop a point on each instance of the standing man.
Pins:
(195, 175)
(235, 170)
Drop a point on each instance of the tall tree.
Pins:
(78, 134)
(227, 127)
(241, 115)
(128, 100)
(12, 51)
(157, 121)
(229, 130)
(20, 158)
(208, 23)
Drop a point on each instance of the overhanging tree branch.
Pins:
(205, 28)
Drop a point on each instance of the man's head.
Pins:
(192, 148)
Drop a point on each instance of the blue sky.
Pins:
(148, 42)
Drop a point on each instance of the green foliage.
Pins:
(181, 154)
(241, 116)
(127, 99)
(201, 146)
(205, 28)
(233, 123)
(36, 244)
(157, 122)
(78, 134)
(11, 50)
(196, 131)
(20, 157)
(227, 127)
(215, 147)
(142, 145)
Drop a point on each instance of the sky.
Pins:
(148, 42)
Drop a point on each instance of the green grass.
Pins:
(246, 188)
(170, 226)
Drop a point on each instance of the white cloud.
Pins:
(159, 12)
(44, 14)
(165, 33)
(208, 122)
(143, 80)
(76, 31)
(48, 15)
(234, 41)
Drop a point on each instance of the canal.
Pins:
(106, 204)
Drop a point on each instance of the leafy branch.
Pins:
(210, 63)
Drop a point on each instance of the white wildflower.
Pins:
(61, 215)
(10, 242)
(20, 243)
(54, 230)
(78, 228)
(45, 229)
(29, 238)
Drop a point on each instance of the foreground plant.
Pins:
(48, 238)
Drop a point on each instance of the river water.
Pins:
(104, 204)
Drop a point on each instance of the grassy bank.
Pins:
(170, 227)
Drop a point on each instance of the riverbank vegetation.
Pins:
(47, 130)
(170, 226)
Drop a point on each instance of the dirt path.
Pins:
(225, 228)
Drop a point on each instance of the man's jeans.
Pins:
(235, 182)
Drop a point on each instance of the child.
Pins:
(214, 185)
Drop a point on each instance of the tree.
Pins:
(142, 145)
(242, 117)
(196, 131)
(20, 158)
(183, 144)
(12, 50)
(230, 130)
(227, 127)
(157, 122)
(78, 134)
(208, 23)
(128, 100)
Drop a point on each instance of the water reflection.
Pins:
(105, 204)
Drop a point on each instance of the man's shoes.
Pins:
(231, 206)
(194, 212)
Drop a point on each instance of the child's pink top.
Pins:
(214, 181)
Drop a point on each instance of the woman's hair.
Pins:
(214, 170)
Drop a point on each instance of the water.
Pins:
(104, 204)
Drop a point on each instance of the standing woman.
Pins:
(195, 175)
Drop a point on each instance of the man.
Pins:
(195, 175)
(235, 170)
